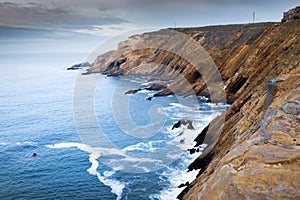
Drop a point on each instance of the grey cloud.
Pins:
(103, 9)
(170, 3)
(45, 16)
(78, 14)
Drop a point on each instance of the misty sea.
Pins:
(36, 116)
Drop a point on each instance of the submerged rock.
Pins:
(149, 98)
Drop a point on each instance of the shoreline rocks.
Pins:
(79, 66)
(183, 122)
(160, 85)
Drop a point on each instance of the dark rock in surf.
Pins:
(132, 91)
(200, 138)
(149, 98)
(183, 185)
(181, 122)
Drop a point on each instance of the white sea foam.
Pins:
(116, 186)
(26, 143)
(147, 83)
(150, 94)
(141, 160)
(66, 145)
(186, 108)
(183, 138)
(144, 91)
(176, 176)
(134, 79)
(142, 146)
(218, 105)
(93, 159)
(108, 173)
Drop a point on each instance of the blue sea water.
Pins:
(36, 116)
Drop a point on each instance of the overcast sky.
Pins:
(41, 25)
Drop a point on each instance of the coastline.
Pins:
(259, 139)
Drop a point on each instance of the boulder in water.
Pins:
(181, 122)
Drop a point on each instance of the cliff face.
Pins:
(229, 46)
(257, 155)
(237, 51)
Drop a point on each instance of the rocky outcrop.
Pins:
(101, 63)
(79, 66)
(256, 155)
(113, 68)
(291, 15)
(160, 85)
(183, 122)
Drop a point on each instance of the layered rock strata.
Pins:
(257, 154)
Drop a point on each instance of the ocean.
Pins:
(37, 116)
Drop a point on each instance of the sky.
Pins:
(80, 26)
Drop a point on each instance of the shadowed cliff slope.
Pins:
(257, 155)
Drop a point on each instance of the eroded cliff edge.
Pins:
(257, 155)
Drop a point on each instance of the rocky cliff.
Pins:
(291, 15)
(257, 155)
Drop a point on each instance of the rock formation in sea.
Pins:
(79, 66)
(183, 122)
(155, 86)
(257, 155)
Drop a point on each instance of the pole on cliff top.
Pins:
(253, 17)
